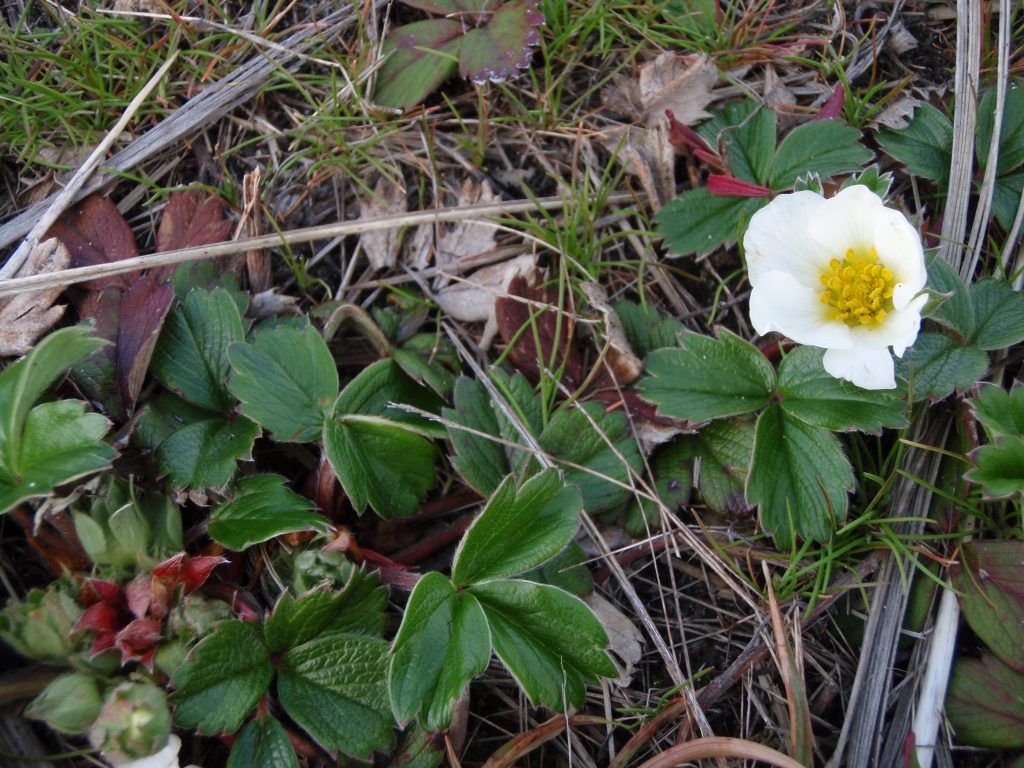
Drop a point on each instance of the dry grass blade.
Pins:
(719, 746)
(291, 237)
(525, 743)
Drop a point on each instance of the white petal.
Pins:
(780, 303)
(899, 248)
(899, 330)
(847, 220)
(867, 367)
(777, 239)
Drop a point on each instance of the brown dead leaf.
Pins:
(192, 218)
(531, 322)
(625, 640)
(471, 299)
(26, 317)
(95, 232)
(466, 239)
(680, 84)
(381, 247)
(622, 363)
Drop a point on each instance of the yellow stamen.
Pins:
(858, 288)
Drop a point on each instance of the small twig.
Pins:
(58, 206)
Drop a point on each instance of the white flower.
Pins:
(845, 274)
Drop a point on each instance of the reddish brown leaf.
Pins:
(94, 232)
(730, 186)
(834, 106)
(138, 593)
(99, 590)
(192, 218)
(189, 571)
(101, 617)
(144, 306)
(532, 324)
(137, 641)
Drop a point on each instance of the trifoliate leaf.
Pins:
(263, 743)
(925, 146)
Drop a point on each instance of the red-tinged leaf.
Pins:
(529, 320)
(420, 56)
(504, 46)
(192, 218)
(192, 572)
(139, 593)
(100, 617)
(159, 598)
(104, 641)
(138, 639)
(833, 108)
(144, 306)
(100, 590)
(683, 137)
(94, 232)
(730, 186)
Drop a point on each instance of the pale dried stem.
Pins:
(289, 238)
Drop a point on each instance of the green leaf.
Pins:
(1011, 134)
(750, 146)
(191, 357)
(698, 222)
(334, 688)
(442, 645)
(998, 314)
(205, 454)
(60, 443)
(567, 570)
(708, 378)
(504, 46)
(824, 147)
(363, 605)
(25, 380)
(263, 743)
(286, 380)
(646, 328)
(379, 463)
(672, 471)
(223, 678)
(420, 56)
(549, 640)
(985, 703)
(811, 394)
(725, 449)
(991, 581)
(925, 146)
(382, 383)
(936, 365)
(955, 312)
(522, 400)
(298, 620)
(1000, 467)
(1000, 412)
(1006, 197)
(480, 461)
(799, 478)
(261, 509)
(596, 451)
(518, 530)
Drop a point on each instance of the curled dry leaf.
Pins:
(625, 641)
(472, 299)
(26, 317)
(623, 364)
(381, 246)
(466, 239)
(680, 84)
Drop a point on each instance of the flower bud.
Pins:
(70, 704)
(134, 721)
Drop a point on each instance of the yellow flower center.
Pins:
(858, 288)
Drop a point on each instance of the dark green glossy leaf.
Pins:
(191, 357)
(1000, 412)
(925, 146)
(646, 328)
(518, 529)
(1011, 133)
(725, 449)
(480, 461)
(205, 454)
(750, 146)
(549, 640)
(442, 645)
(223, 678)
(382, 384)
(956, 311)
(334, 688)
(1000, 467)
(379, 463)
(998, 314)
(824, 147)
(799, 479)
(698, 222)
(263, 743)
(286, 380)
(261, 509)
(811, 394)
(708, 378)
(937, 364)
